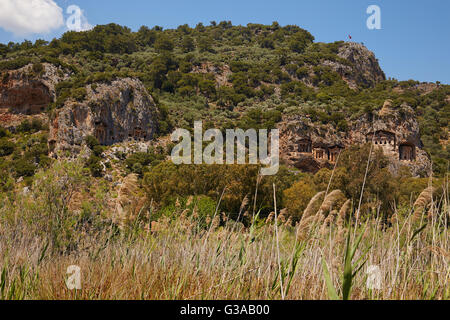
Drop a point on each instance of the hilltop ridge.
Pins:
(253, 76)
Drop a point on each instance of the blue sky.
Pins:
(414, 41)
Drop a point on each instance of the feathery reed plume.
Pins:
(183, 223)
(304, 226)
(243, 205)
(394, 218)
(270, 217)
(331, 217)
(330, 200)
(319, 218)
(328, 222)
(184, 214)
(340, 237)
(283, 215)
(313, 205)
(422, 201)
(215, 222)
(323, 230)
(437, 251)
(342, 215)
(195, 212)
(224, 217)
(288, 222)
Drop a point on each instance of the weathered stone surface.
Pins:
(310, 147)
(296, 131)
(363, 68)
(23, 91)
(115, 112)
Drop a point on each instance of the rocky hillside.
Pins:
(363, 69)
(28, 91)
(310, 147)
(117, 85)
(114, 112)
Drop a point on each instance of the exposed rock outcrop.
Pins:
(304, 144)
(363, 67)
(29, 91)
(112, 112)
(310, 147)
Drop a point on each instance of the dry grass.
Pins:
(181, 259)
(422, 201)
(177, 263)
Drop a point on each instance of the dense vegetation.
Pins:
(182, 68)
(194, 251)
(22, 153)
(183, 218)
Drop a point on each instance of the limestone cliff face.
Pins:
(23, 91)
(114, 112)
(363, 67)
(304, 144)
(310, 147)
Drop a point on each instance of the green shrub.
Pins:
(164, 43)
(91, 142)
(297, 197)
(202, 206)
(94, 165)
(14, 64)
(35, 125)
(24, 126)
(38, 68)
(138, 162)
(6, 147)
(79, 94)
(163, 183)
(302, 72)
(24, 168)
(4, 132)
(98, 150)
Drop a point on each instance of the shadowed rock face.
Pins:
(396, 132)
(27, 98)
(115, 112)
(24, 92)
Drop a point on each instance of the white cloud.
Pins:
(30, 16)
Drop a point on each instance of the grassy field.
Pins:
(321, 257)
